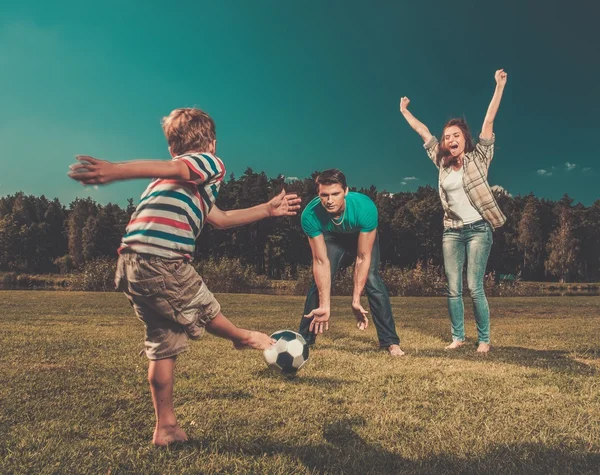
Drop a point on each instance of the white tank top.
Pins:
(457, 197)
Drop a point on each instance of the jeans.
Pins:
(339, 245)
(471, 243)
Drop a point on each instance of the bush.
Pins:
(64, 264)
(16, 281)
(304, 280)
(230, 275)
(97, 275)
(425, 280)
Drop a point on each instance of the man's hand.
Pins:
(362, 322)
(404, 102)
(320, 320)
(501, 77)
(284, 204)
(92, 171)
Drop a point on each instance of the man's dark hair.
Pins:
(331, 177)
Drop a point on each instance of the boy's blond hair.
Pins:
(189, 130)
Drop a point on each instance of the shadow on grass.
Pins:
(558, 361)
(345, 451)
(321, 381)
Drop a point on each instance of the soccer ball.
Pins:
(289, 354)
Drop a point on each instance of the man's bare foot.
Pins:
(454, 345)
(254, 340)
(166, 435)
(395, 350)
(483, 347)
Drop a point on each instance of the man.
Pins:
(339, 222)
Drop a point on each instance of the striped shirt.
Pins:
(476, 165)
(171, 213)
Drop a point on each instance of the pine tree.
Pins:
(563, 247)
(529, 237)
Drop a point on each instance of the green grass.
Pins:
(74, 396)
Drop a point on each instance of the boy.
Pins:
(154, 267)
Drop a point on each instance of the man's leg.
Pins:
(335, 253)
(161, 376)
(379, 302)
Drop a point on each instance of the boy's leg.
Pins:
(161, 376)
(381, 308)
(335, 253)
(222, 327)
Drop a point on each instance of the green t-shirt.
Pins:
(360, 215)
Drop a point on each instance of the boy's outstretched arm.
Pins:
(93, 171)
(281, 205)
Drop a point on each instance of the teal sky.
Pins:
(299, 86)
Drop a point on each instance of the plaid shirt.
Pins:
(476, 164)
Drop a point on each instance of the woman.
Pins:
(470, 210)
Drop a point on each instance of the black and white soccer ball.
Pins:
(289, 354)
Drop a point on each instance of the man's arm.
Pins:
(281, 205)
(93, 171)
(322, 274)
(488, 123)
(418, 127)
(361, 271)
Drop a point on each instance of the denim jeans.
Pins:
(472, 244)
(338, 245)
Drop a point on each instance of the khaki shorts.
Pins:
(170, 298)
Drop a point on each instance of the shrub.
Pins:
(304, 280)
(97, 275)
(64, 264)
(230, 275)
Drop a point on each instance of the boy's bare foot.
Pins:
(166, 435)
(254, 340)
(483, 347)
(454, 345)
(395, 350)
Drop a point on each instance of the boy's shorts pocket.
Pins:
(147, 287)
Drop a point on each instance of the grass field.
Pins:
(74, 396)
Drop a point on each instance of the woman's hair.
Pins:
(443, 155)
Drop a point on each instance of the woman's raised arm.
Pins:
(419, 127)
(487, 130)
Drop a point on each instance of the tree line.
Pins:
(542, 239)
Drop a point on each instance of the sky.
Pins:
(296, 87)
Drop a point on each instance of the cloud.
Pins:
(403, 183)
(290, 179)
(543, 172)
(500, 189)
(409, 178)
(570, 166)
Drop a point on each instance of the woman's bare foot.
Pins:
(166, 435)
(483, 347)
(454, 345)
(395, 350)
